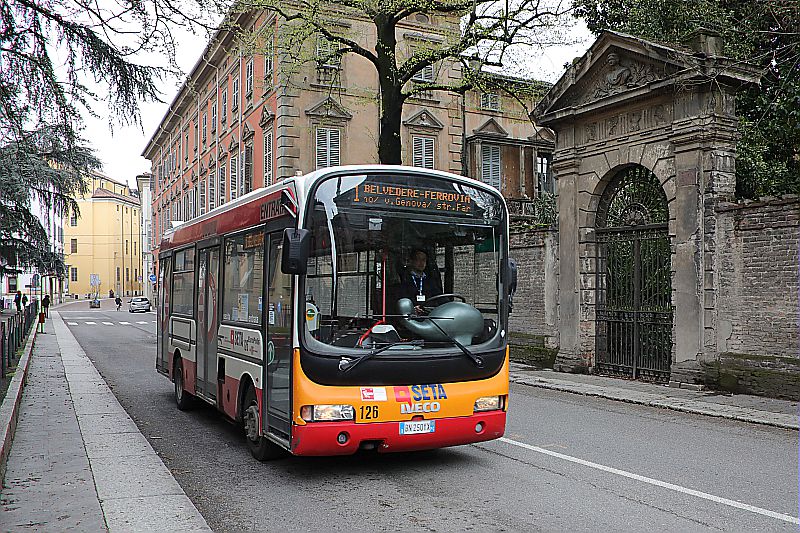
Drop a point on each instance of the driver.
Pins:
(417, 283)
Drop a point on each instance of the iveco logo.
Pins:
(426, 407)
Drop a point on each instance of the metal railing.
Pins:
(13, 332)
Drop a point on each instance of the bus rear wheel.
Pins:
(260, 447)
(182, 398)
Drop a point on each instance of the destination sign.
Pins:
(381, 195)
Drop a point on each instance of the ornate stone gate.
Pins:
(632, 115)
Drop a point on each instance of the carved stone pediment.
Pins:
(202, 168)
(329, 108)
(424, 119)
(233, 145)
(491, 128)
(266, 116)
(247, 131)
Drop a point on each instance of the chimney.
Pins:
(705, 41)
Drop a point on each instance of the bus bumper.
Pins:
(321, 438)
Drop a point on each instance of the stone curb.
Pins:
(665, 401)
(139, 493)
(9, 410)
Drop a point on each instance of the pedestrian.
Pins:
(18, 301)
(46, 305)
(118, 301)
(24, 300)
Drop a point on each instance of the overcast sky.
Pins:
(120, 150)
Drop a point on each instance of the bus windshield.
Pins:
(406, 259)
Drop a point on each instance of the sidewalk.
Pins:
(77, 461)
(743, 407)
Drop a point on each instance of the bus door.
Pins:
(164, 287)
(207, 322)
(278, 352)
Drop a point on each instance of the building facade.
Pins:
(37, 284)
(144, 184)
(102, 247)
(244, 121)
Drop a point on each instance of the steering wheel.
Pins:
(429, 302)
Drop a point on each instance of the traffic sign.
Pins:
(152, 278)
(94, 280)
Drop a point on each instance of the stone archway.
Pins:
(634, 290)
(668, 112)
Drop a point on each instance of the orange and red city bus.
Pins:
(285, 310)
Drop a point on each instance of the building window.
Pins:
(490, 101)
(126, 246)
(134, 247)
(212, 191)
(425, 75)
(268, 61)
(127, 274)
(223, 118)
(422, 152)
(221, 176)
(186, 145)
(205, 128)
(490, 165)
(73, 219)
(117, 274)
(248, 78)
(247, 170)
(202, 198)
(73, 246)
(73, 274)
(214, 117)
(235, 93)
(234, 175)
(327, 147)
(135, 274)
(544, 174)
(328, 62)
(268, 158)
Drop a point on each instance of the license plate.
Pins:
(415, 428)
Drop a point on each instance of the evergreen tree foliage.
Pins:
(486, 35)
(58, 58)
(765, 33)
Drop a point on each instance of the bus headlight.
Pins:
(327, 413)
(489, 403)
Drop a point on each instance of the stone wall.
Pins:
(757, 307)
(533, 324)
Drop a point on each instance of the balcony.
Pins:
(540, 211)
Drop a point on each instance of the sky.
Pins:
(119, 148)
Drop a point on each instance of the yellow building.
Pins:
(105, 241)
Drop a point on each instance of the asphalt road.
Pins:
(568, 463)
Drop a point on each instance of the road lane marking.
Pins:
(108, 323)
(91, 323)
(656, 482)
(72, 323)
(125, 323)
(141, 322)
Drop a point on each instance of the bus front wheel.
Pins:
(182, 398)
(262, 448)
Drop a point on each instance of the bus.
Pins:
(285, 310)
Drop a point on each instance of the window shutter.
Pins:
(221, 172)
(328, 142)
(234, 173)
(212, 196)
(424, 75)
(268, 159)
(490, 163)
(422, 152)
(333, 148)
(322, 148)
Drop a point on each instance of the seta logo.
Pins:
(419, 393)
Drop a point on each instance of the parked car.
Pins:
(138, 303)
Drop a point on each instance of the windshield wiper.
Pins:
(345, 364)
(477, 359)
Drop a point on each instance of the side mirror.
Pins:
(512, 283)
(296, 248)
(512, 276)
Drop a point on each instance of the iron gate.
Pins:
(634, 313)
